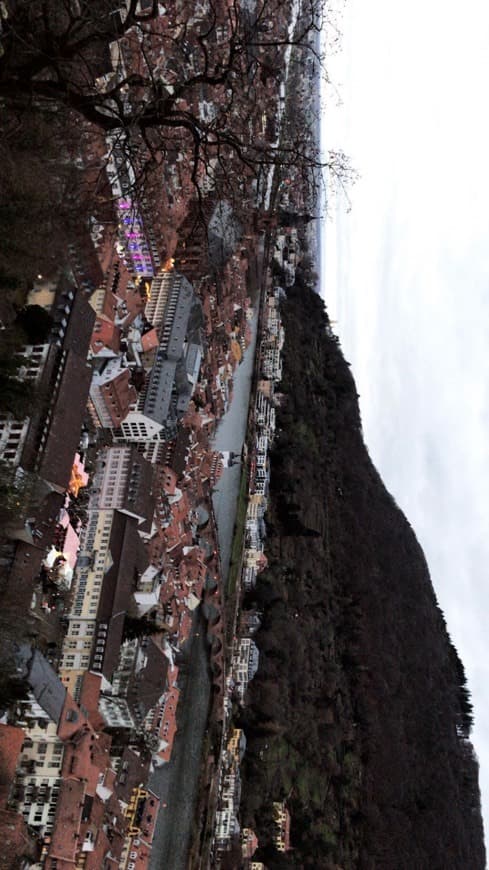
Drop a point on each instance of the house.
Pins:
(116, 592)
(249, 842)
(177, 313)
(106, 338)
(133, 768)
(281, 817)
(37, 776)
(140, 676)
(112, 394)
(64, 376)
(168, 722)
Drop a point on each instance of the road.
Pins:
(177, 782)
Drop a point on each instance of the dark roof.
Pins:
(83, 260)
(74, 318)
(73, 324)
(147, 685)
(47, 687)
(160, 389)
(138, 498)
(67, 415)
(182, 446)
(182, 319)
(129, 561)
(133, 772)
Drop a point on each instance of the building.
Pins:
(165, 288)
(244, 663)
(63, 381)
(88, 822)
(139, 677)
(141, 813)
(137, 240)
(249, 842)
(166, 395)
(123, 481)
(37, 779)
(265, 415)
(94, 560)
(112, 394)
(106, 338)
(13, 432)
(133, 769)
(281, 817)
(128, 560)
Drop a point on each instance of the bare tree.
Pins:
(164, 85)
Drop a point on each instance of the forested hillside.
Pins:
(359, 714)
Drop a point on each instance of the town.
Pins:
(117, 367)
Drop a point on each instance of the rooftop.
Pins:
(64, 838)
(11, 740)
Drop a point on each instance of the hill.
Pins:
(359, 715)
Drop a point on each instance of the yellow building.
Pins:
(94, 560)
(234, 743)
(281, 818)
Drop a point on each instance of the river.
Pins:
(230, 435)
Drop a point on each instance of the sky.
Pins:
(406, 278)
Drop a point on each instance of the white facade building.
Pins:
(175, 312)
(13, 432)
(38, 776)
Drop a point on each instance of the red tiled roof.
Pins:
(15, 839)
(168, 726)
(96, 858)
(119, 394)
(89, 698)
(11, 740)
(86, 757)
(150, 340)
(143, 852)
(105, 334)
(64, 838)
(90, 691)
(71, 720)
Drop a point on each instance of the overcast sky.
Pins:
(407, 279)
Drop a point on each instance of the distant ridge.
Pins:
(359, 715)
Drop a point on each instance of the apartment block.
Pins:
(38, 776)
